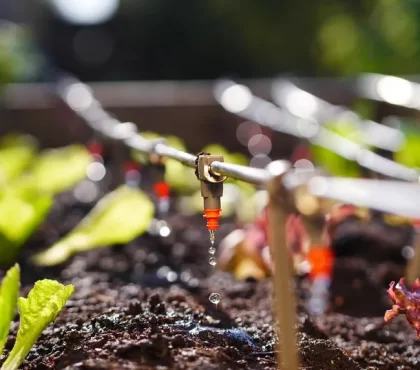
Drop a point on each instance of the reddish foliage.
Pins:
(405, 301)
(338, 214)
(297, 238)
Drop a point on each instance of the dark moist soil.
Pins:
(145, 305)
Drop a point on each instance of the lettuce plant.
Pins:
(9, 291)
(57, 170)
(16, 154)
(19, 218)
(118, 218)
(405, 301)
(45, 301)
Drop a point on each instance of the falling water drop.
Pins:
(212, 249)
(212, 236)
(215, 298)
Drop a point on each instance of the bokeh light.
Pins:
(246, 130)
(236, 98)
(85, 12)
(395, 90)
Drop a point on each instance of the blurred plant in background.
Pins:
(18, 61)
(372, 36)
(139, 40)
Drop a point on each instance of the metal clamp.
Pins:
(203, 169)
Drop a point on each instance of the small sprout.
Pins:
(45, 301)
(9, 291)
(16, 154)
(112, 221)
(405, 301)
(20, 216)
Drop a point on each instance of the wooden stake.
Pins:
(284, 300)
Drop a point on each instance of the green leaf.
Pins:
(57, 170)
(9, 291)
(118, 218)
(45, 301)
(16, 154)
(19, 218)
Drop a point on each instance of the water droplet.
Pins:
(212, 261)
(212, 236)
(212, 250)
(215, 298)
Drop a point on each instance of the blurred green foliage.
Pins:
(28, 182)
(246, 38)
(16, 154)
(370, 36)
(18, 60)
(19, 218)
(112, 221)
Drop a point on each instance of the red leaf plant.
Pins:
(405, 301)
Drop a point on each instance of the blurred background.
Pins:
(105, 40)
(113, 43)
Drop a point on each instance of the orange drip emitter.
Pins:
(212, 216)
(211, 188)
(321, 259)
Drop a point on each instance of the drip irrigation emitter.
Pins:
(211, 185)
(161, 188)
(120, 153)
(161, 191)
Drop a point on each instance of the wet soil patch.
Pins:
(145, 306)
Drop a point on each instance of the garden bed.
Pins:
(145, 306)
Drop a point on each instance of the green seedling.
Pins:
(16, 154)
(19, 218)
(118, 218)
(57, 170)
(9, 292)
(45, 301)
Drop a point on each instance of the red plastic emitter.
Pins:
(322, 260)
(162, 189)
(212, 216)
